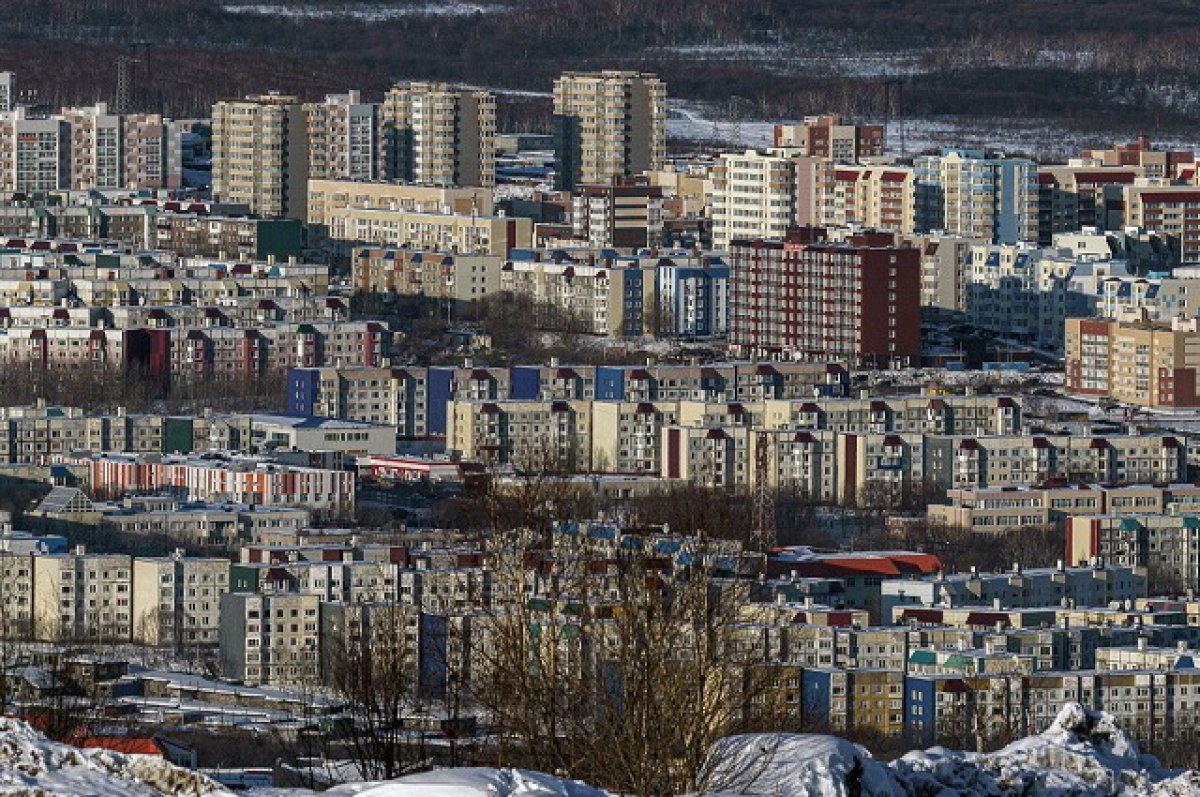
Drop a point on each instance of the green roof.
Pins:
(1191, 522)
(1129, 524)
(958, 662)
(923, 657)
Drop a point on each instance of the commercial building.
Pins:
(434, 134)
(261, 154)
(804, 297)
(608, 124)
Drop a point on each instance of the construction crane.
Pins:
(124, 81)
(762, 531)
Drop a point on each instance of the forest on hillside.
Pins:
(1119, 63)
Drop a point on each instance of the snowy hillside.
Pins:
(1082, 754)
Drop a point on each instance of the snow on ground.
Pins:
(365, 13)
(693, 120)
(1082, 754)
(30, 764)
(470, 782)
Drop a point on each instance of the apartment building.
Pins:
(82, 596)
(1017, 588)
(435, 231)
(943, 271)
(808, 298)
(1141, 363)
(833, 138)
(173, 352)
(978, 195)
(325, 196)
(227, 237)
(414, 399)
(436, 275)
(270, 638)
(697, 440)
(176, 600)
(998, 508)
(608, 124)
(241, 480)
(261, 154)
(612, 296)
(623, 212)
(17, 592)
(1141, 153)
(1073, 197)
(693, 299)
(435, 134)
(1171, 211)
(875, 197)
(754, 195)
(343, 138)
(889, 468)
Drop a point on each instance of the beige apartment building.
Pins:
(1172, 211)
(438, 275)
(831, 137)
(261, 154)
(343, 138)
(82, 596)
(1148, 364)
(177, 600)
(325, 196)
(271, 639)
(442, 232)
(608, 124)
(754, 195)
(439, 135)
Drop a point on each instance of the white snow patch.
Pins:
(470, 782)
(367, 13)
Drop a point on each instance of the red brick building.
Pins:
(806, 297)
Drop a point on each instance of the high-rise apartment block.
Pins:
(343, 138)
(754, 195)
(439, 135)
(261, 154)
(608, 124)
(806, 297)
(829, 137)
(978, 194)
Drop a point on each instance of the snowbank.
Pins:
(1082, 753)
(470, 782)
(32, 764)
(808, 764)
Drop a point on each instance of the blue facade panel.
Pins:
(302, 387)
(610, 383)
(439, 385)
(526, 382)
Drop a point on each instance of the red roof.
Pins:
(987, 618)
(716, 434)
(922, 615)
(131, 745)
(803, 437)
